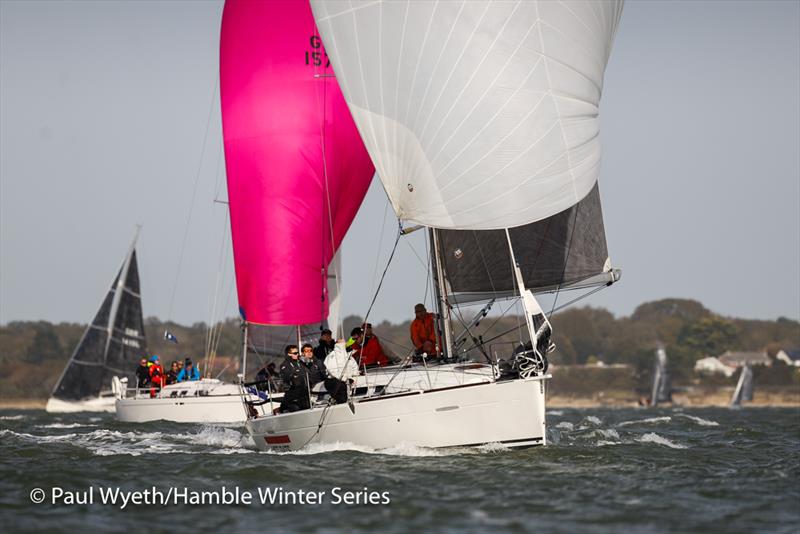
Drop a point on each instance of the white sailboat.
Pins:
(661, 390)
(111, 345)
(481, 119)
(744, 387)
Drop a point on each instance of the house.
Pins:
(739, 359)
(712, 365)
(790, 357)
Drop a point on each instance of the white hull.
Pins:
(203, 401)
(99, 404)
(509, 412)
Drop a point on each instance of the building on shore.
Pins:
(789, 357)
(712, 365)
(740, 359)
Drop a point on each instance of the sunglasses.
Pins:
(293, 353)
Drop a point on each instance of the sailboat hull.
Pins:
(510, 412)
(203, 401)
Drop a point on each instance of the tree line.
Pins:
(33, 353)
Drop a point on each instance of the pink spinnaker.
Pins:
(297, 169)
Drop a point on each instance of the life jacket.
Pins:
(157, 374)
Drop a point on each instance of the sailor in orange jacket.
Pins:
(423, 332)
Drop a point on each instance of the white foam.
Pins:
(592, 419)
(699, 420)
(652, 437)
(555, 412)
(64, 425)
(650, 420)
(11, 417)
(565, 425)
(401, 449)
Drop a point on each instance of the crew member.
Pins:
(295, 382)
(314, 366)
(156, 375)
(341, 370)
(143, 374)
(326, 344)
(189, 372)
(423, 332)
(371, 350)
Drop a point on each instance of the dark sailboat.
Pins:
(110, 347)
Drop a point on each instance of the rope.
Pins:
(194, 195)
(383, 276)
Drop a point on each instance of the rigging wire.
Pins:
(566, 259)
(194, 196)
(388, 263)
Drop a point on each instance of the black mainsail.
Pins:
(565, 251)
(112, 344)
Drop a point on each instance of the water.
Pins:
(604, 471)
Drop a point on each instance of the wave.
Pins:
(105, 442)
(652, 437)
(11, 417)
(649, 420)
(65, 425)
(401, 449)
(699, 420)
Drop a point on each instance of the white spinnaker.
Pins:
(477, 115)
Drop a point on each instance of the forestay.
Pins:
(478, 115)
(297, 169)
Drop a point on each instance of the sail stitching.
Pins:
(472, 77)
(435, 66)
(455, 66)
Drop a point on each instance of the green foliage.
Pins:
(36, 352)
(709, 336)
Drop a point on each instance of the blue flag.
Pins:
(170, 337)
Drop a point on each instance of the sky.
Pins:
(109, 118)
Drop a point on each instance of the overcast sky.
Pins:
(109, 117)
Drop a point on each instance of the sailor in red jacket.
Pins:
(157, 378)
(371, 350)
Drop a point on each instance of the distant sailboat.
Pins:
(111, 345)
(661, 391)
(744, 388)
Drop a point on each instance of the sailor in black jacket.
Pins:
(295, 382)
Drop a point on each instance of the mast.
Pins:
(243, 374)
(443, 308)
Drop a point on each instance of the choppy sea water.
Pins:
(604, 470)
